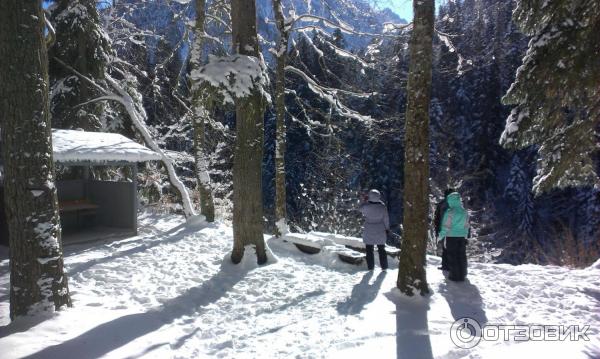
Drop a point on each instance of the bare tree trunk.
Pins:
(247, 162)
(281, 55)
(37, 279)
(411, 275)
(207, 207)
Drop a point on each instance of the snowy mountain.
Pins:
(172, 292)
(357, 14)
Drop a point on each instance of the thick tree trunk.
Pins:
(207, 207)
(247, 162)
(411, 274)
(37, 279)
(280, 136)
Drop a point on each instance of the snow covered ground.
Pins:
(171, 292)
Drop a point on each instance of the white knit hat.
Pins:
(374, 196)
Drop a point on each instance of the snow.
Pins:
(138, 117)
(235, 76)
(282, 226)
(77, 146)
(172, 292)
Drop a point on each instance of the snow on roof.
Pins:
(80, 146)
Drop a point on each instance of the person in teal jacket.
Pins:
(454, 232)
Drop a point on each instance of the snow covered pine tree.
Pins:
(37, 279)
(82, 43)
(556, 91)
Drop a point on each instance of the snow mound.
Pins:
(172, 292)
(596, 265)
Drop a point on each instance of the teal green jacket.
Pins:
(455, 222)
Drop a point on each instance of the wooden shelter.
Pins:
(92, 209)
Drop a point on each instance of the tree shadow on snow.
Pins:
(114, 334)
(363, 293)
(294, 302)
(173, 235)
(23, 324)
(412, 328)
(464, 300)
(592, 351)
(594, 293)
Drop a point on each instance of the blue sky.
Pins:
(401, 7)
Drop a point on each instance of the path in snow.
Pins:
(172, 293)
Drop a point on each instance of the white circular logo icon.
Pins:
(465, 333)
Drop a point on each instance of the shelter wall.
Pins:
(116, 201)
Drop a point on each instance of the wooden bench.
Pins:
(77, 205)
(81, 207)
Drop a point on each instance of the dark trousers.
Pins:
(371, 257)
(444, 258)
(456, 250)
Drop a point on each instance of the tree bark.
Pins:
(207, 207)
(37, 279)
(247, 162)
(280, 135)
(411, 274)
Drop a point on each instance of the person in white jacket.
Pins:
(376, 227)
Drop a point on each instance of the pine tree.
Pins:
(556, 91)
(411, 274)
(247, 162)
(82, 43)
(37, 279)
(518, 191)
(338, 38)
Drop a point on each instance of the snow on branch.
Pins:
(330, 95)
(235, 76)
(343, 27)
(445, 38)
(390, 27)
(51, 39)
(321, 55)
(218, 20)
(344, 53)
(138, 117)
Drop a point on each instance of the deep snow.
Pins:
(171, 292)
